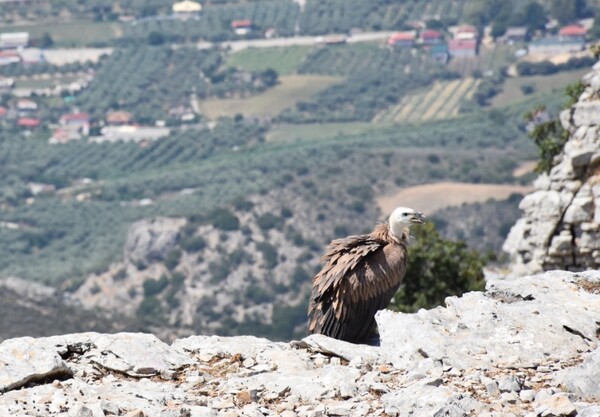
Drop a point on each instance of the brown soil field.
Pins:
(431, 197)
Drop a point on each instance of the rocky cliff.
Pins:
(560, 227)
(526, 346)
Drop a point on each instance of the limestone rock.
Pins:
(151, 240)
(344, 350)
(514, 324)
(549, 234)
(26, 360)
(584, 380)
(498, 353)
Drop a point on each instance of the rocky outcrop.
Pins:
(151, 240)
(560, 227)
(527, 346)
(54, 312)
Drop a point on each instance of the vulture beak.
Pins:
(417, 218)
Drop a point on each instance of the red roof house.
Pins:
(462, 48)
(246, 23)
(79, 122)
(401, 39)
(466, 32)
(28, 122)
(431, 37)
(241, 27)
(118, 118)
(573, 32)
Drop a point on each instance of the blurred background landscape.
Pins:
(179, 167)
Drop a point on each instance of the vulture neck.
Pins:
(384, 232)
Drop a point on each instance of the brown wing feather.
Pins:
(360, 276)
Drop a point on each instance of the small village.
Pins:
(30, 110)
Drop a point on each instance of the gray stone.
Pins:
(151, 240)
(84, 412)
(482, 329)
(509, 384)
(509, 398)
(135, 354)
(558, 405)
(26, 360)
(209, 346)
(339, 348)
(491, 386)
(583, 380)
(586, 114)
(527, 395)
(593, 411)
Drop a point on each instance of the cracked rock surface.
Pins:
(560, 226)
(525, 347)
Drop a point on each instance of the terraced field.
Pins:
(442, 101)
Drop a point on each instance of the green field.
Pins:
(76, 33)
(284, 60)
(319, 130)
(290, 90)
(541, 83)
(46, 82)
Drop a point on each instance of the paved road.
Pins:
(62, 56)
(297, 40)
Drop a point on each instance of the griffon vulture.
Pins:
(360, 276)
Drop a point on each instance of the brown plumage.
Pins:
(360, 276)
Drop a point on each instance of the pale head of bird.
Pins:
(404, 217)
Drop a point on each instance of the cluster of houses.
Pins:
(462, 44)
(463, 41)
(11, 44)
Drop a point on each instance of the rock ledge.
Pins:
(526, 346)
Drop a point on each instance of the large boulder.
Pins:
(151, 240)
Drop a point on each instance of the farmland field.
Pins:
(71, 34)
(440, 102)
(541, 83)
(283, 60)
(290, 90)
(432, 197)
(318, 130)
(488, 59)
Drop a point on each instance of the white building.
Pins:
(14, 40)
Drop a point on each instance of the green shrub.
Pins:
(172, 259)
(155, 286)
(219, 271)
(257, 294)
(269, 253)
(151, 308)
(269, 221)
(243, 205)
(120, 275)
(224, 219)
(437, 268)
(193, 243)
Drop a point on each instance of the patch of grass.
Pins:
(290, 90)
(283, 60)
(45, 83)
(286, 131)
(543, 84)
(75, 33)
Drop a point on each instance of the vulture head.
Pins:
(403, 217)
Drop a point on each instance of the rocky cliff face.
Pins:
(526, 346)
(560, 227)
